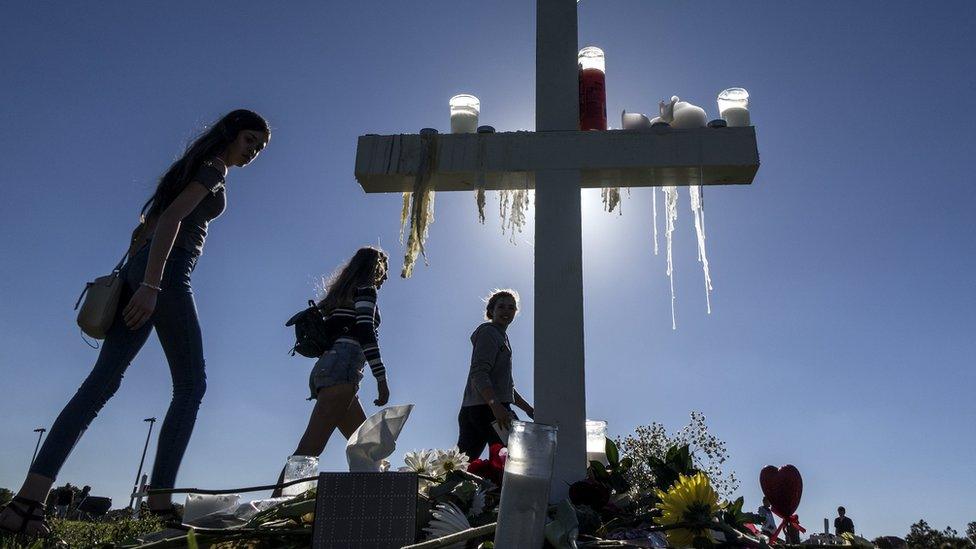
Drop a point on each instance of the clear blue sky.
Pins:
(841, 338)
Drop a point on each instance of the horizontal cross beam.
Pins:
(616, 158)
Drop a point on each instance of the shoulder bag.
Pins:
(101, 299)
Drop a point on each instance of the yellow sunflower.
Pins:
(690, 500)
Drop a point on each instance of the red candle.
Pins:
(592, 89)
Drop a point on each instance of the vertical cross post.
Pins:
(560, 393)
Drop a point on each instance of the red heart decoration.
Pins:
(783, 486)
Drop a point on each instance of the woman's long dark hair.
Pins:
(360, 271)
(211, 143)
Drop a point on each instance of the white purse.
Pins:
(101, 299)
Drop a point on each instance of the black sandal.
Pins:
(33, 511)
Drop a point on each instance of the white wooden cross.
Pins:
(557, 161)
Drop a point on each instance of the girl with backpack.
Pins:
(156, 293)
(351, 318)
(490, 391)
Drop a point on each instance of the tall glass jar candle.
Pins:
(733, 106)
(596, 441)
(465, 109)
(592, 88)
(525, 485)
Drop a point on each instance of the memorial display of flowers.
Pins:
(652, 490)
(693, 501)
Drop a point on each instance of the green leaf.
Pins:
(444, 488)
(619, 483)
(626, 464)
(613, 456)
(599, 471)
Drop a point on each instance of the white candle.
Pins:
(522, 516)
(596, 455)
(733, 106)
(525, 486)
(464, 113)
(736, 117)
(464, 122)
(596, 441)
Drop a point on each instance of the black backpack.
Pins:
(312, 339)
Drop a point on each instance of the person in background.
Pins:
(80, 500)
(769, 520)
(351, 319)
(65, 497)
(490, 390)
(843, 523)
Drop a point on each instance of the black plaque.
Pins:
(365, 511)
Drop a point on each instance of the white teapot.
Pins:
(682, 114)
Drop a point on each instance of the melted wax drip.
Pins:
(611, 199)
(670, 216)
(513, 204)
(695, 196)
(653, 207)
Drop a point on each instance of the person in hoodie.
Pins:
(490, 390)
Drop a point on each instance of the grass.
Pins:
(71, 534)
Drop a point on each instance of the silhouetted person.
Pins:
(351, 319)
(843, 523)
(768, 525)
(155, 294)
(64, 499)
(490, 390)
(80, 500)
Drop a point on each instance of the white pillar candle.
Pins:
(733, 106)
(465, 109)
(596, 441)
(736, 117)
(525, 485)
(464, 122)
(523, 505)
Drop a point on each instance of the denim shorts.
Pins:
(341, 364)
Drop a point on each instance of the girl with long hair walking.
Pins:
(156, 294)
(490, 390)
(351, 318)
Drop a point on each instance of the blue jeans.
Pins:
(178, 329)
(340, 365)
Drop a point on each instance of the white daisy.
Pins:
(450, 460)
(420, 462)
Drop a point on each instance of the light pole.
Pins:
(135, 486)
(40, 433)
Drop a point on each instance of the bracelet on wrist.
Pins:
(150, 286)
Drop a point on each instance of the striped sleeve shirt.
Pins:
(367, 318)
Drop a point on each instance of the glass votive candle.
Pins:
(201, 505)
(596, 441)
(733, 106)
(465, 109)
(299, 467)
(525, 485)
